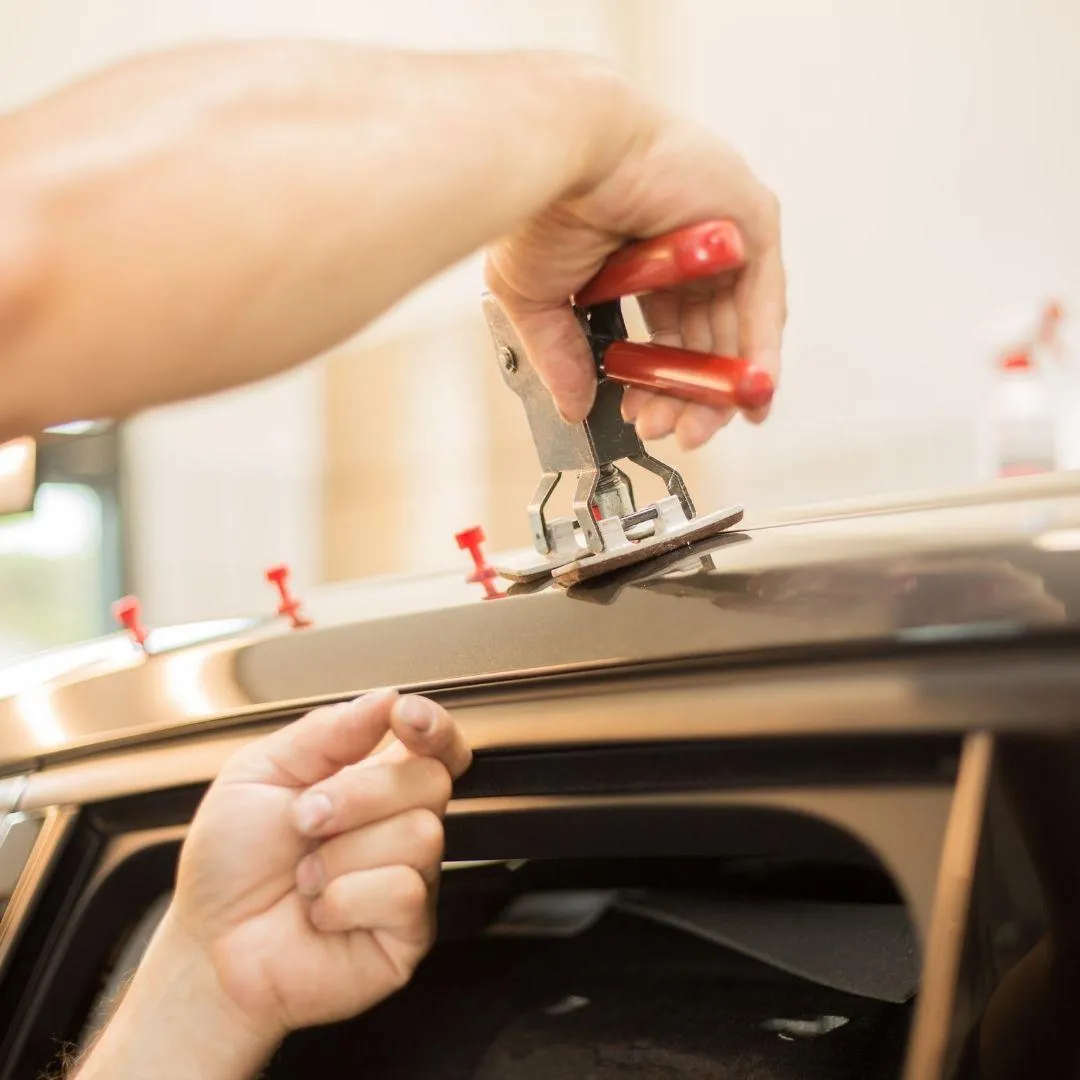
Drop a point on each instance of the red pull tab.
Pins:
(687, 254)
(288, 605)
(128, 612)
(720, 382)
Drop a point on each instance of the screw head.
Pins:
(508, 359)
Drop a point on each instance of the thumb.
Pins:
(561, 355)
(426, 729)
(553, 340)
(317, 745)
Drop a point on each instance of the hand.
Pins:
(673, 174)
(309, 875)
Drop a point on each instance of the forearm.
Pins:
(174, 1023)
(202, 218)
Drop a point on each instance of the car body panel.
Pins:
(1002, 562)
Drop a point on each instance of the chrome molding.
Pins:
(943, 695)
(55, 825)
(1019, 489)
(11, 791)
(18, 833)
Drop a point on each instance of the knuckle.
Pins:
(406, 957)
(346, 795)
(770, 206)
(425, 829)
(407, 889)
(494, 278)
(332, 902)
(494, 281)
(765, 216)
(436, 778)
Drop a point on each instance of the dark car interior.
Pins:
(611, 968)
(607, 940)
(592, 925)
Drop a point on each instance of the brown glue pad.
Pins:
(699, 529)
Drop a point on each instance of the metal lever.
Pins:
(676, 258)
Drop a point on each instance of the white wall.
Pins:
(223, 488)
(927, 156)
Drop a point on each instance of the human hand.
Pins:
(672, 173)
(309, 875)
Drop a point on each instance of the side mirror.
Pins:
(18, 476)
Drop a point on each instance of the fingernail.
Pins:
(309, 876)
(417, 713)
(379, 694)
(648, 429)
(312, 810)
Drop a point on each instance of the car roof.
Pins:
(969, 566)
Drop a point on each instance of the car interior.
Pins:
(613, 968)
(601, 941)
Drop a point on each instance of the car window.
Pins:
(601, 983)
(595, 969)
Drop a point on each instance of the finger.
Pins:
(392, 898)
(428, 730)
(633, 399)
(762, 310)
(359, 795)
(560, 354)
(724, 324)
(317, 745)
(662, 312)
(413, 839)
(695, 322)
(697, 424)
(658, 417)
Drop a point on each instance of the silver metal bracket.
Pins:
(607, 527)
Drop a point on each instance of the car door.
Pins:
(643, 874)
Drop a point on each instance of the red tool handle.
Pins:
(721, 382)
(688, 254)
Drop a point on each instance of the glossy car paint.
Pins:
(992, 565)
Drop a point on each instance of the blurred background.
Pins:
(926, 158)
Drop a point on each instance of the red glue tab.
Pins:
(288, 605)
(470, 540)
(126, 611)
